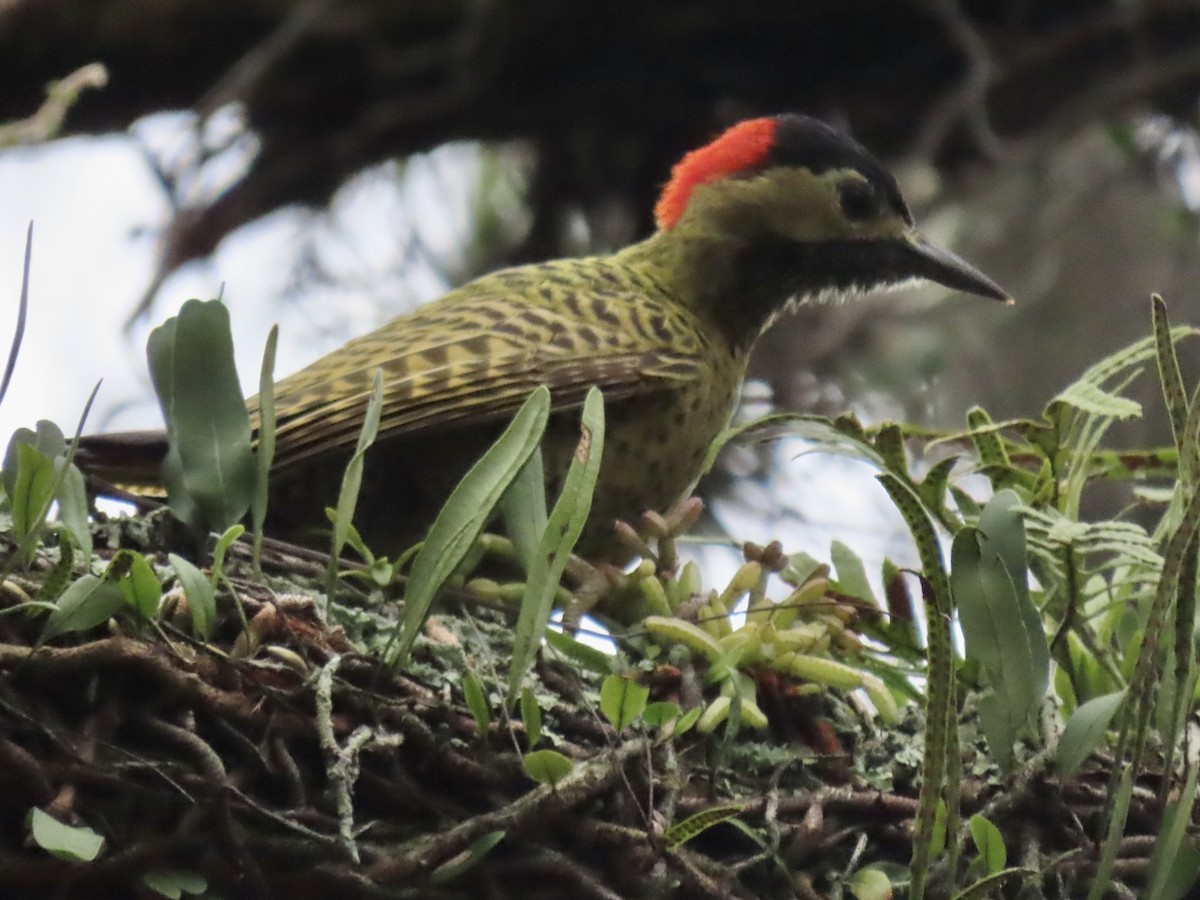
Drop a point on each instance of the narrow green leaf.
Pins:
(964, 501)
(986, 599)
(140, 584)
(343, 516)
(523, 507)
(989, 844)
(463, 862)
(224, 542)
(558, 539)
(801, 567)
(1001, 625)
(986, 440)
(466, 513)
(73, 505)
(714, 714)
(547, 766)
(50, 438)
(1182, 874)
(22, 313)
(352, 477)
(999, 728)
(11, 461)
(588, 657)
(622, 700)
(851, 573)
(1003, 529)
(1167, 864)
(1183, 681)
(941, 726)
(32, 490)
(1150, 665)
(1131, 356)
(1096, 401)
(934, 485)
(382, 571)
(477, 703)
(1112, 839)
(201, 596)
(682, 832)
(182, 504)
(669, 630)
(889, 443)
(86, 603)
(264, 451)
(55, 581)
(938, 838)
(531, 717)
(353, 539)
(1084, 731)
(991, 885)
(78, 843)
(687, 720)
(27, 545)
(192, 367)
(47, 438)
(1169, 374)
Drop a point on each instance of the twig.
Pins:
(243, 78)
(967, 101)
(341, 763)
(61, 96)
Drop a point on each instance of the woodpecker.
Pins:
(775, 212)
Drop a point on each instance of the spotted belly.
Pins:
(654, 449)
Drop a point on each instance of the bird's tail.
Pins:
(131, 460)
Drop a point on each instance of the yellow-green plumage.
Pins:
(457, 369)
(773, 212)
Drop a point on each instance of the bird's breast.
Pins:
(654, 449)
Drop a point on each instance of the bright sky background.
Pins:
(87, 199)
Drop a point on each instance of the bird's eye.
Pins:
(859, 200)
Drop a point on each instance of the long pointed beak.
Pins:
(946, 268)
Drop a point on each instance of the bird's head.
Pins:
(808, 212)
